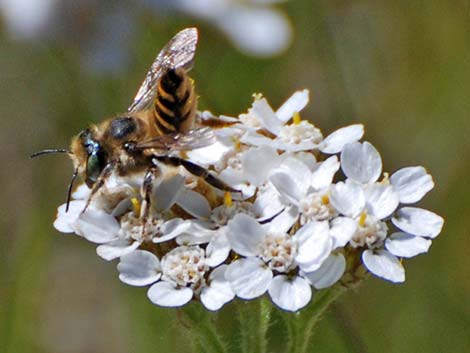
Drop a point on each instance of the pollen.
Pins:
(297, 118)
(136, 205)
(362, 219)
(227, 199)
(325, 199)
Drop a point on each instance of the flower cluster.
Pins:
(309, 212)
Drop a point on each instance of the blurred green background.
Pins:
(400, 67)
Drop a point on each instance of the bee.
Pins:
(159, 122)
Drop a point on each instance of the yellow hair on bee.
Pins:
(228, 199)
(136, 205)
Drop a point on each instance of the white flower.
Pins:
(298, 136)
(252, 170)
(306, 187)
(269, 248)
(254, 27)
(370, 203)
(176, 278)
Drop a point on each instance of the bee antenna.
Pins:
(49, 151)
(69, 189)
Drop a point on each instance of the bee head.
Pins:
(90, 158)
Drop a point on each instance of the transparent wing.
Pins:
(193, 139)
(178, 52)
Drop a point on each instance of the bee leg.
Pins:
(106, 172)
(147, 187)
(198, 171)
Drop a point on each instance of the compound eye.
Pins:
(93, 168)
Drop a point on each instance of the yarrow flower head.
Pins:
(292, 225)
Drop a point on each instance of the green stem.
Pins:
(201, 326)
(254, 318)
(300, 326)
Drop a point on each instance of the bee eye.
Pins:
(93, 168)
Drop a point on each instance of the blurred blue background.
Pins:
(402, 68)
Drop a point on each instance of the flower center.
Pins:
(278, 251)
(132, 227)
(303, 131)
(184, 265)
(371, 232)
(222, 214)
(315, 207)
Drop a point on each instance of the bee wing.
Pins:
(193, 139)
(178, 52)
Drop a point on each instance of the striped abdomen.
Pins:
(175, 104)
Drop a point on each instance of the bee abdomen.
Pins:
(175, 105)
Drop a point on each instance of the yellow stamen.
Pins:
(227, 199)
(325, 199)
(297, 118)
(362, 219)
(136, 205)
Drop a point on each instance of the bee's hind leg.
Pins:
(198, 171)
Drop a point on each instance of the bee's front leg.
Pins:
(146, 192)
(105, 173)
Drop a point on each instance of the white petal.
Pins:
(315, 245)
(236, 179)
(81, 192)
(176, 227)
(294, 104)
(342, 229)
(383, 264)
(245, 234)
(266, 116)
(347, 198)
(194, 203)
(65, 221)
(116, 248)
(217, 250)
(283, 222)
(418, 221)
(268, 203)
(208, 155)
(97, 226)
(361, 162)
(305, 157)
(381, 200)
(406, 245)
(335, 142)
(166, 193)
(331, 270)
(291, 179)
(411, 183)
(290, 294)
(257, 162)
(323, 175)
(218, 292)
(139, 268)
(253, 138)
(249, 278)
(166, 294)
